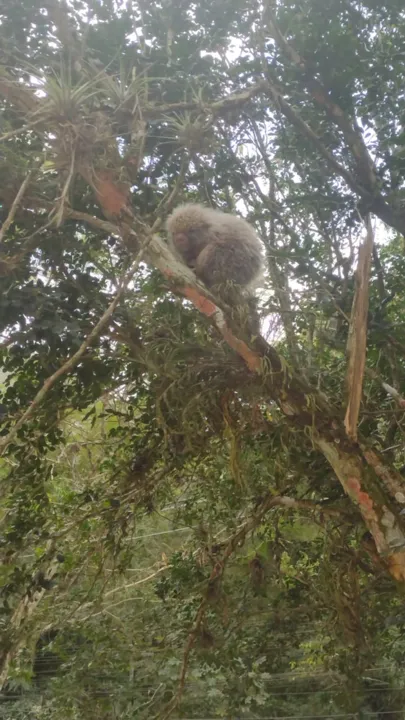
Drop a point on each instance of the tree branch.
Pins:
(368, 187)
(214, 579)
(357, 338)
(9, 219)
(71, 363)
(350, 129)
(306, 130)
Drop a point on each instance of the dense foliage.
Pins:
(176, 534)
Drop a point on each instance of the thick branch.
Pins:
(24, 610)
(367, 184)
(228, 102)
(349, 128)
(306, 130)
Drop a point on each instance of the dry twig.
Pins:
(357, 339)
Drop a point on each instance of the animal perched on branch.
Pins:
(219, 247)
